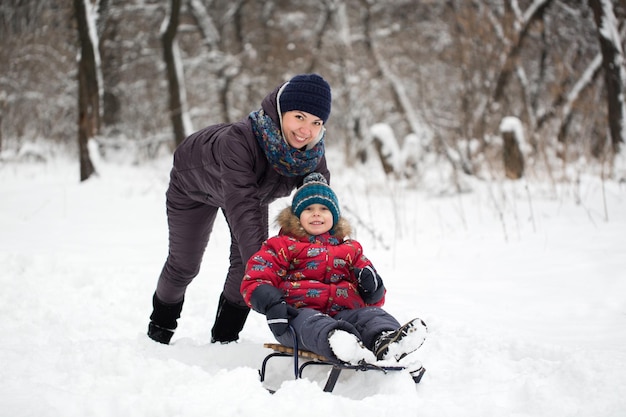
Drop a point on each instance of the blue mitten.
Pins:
(369, 280)
(371, 285)
(278, 317)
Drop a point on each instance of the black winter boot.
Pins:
(401, 342)
(229, 321)
(163, 320)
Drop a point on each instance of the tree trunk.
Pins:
(168, 40)
(613, 65)
(511, 130)
(512, 155)
(88, 96)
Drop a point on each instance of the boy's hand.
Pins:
(369, 280)
(371, 287)
(278, 317)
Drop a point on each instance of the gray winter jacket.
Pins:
(224, 166)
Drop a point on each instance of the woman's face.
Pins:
(301, 128)
(316, 219)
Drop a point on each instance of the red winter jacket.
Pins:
(312, 272)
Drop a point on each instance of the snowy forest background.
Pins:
(490, 89)
(475, 146)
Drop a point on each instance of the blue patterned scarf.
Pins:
(286, 160)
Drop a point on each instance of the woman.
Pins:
(239, 168)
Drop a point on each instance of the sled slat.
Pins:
(277, 347)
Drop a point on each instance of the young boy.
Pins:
(313, 277)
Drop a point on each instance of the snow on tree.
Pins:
(396, 159)
(387, 147)
(512, 133)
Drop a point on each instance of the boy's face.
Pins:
(301, 128)
(316, 219)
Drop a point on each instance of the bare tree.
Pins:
(520, 32)
(322, 24)
(174, 69)
(88, 84)
(614, 71)
(582, 83)
(226, 66)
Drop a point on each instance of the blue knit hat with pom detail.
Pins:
(309, 93)
(315, 190)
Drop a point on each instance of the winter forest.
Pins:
(476, 147)
(488, 89)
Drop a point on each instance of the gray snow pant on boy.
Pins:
(313, 327)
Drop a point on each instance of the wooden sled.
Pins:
(310, 358)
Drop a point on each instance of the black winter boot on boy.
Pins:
(229, 321)
(163, 320)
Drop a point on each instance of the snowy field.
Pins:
(523, 288)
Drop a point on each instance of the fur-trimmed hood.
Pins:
(289, 224)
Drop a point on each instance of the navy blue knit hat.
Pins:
(306, 92)
(315, 190)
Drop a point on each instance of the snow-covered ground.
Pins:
(523, 288)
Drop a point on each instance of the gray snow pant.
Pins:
(190, 224)
(313, 327)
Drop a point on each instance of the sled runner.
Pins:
(310, 358)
